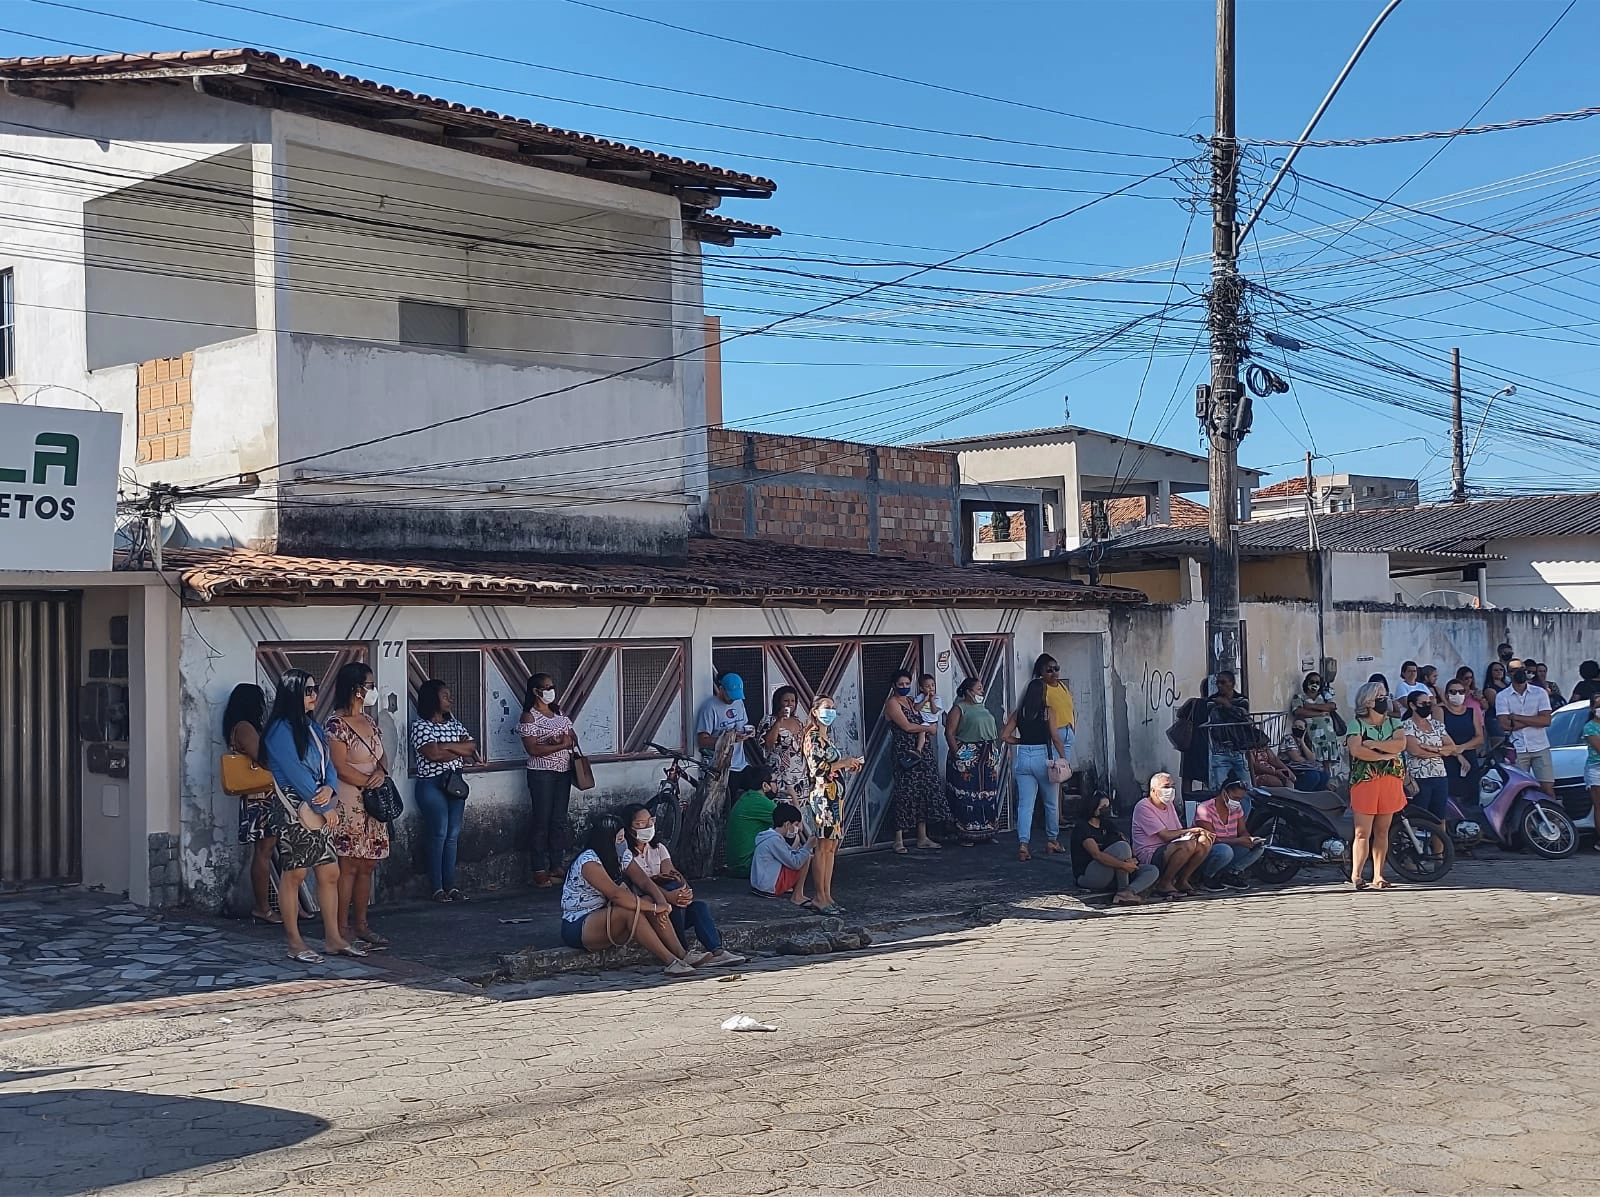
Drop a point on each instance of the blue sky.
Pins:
(1377, 318)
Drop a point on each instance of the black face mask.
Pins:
(1507, 656)
(1424, 709)
(1519, 677)
(1380, 705)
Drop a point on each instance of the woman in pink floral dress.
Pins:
(356, 745)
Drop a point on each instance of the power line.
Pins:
(843, 66)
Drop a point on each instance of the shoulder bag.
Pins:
(582, 771)
(1058, 768)
(301, 812)
(455, 786)
(382, 801)
(242, 777)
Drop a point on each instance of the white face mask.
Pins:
(1168, 793)
(645, 834)
(547, 696)
(369, 696)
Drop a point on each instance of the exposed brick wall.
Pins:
(166, 408)
(837, 516)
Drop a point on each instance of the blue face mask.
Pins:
(826, 716)
(906, 689)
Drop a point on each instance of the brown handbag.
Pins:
(242, 777)
(582, 770)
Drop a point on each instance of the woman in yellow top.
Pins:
(1058, 700)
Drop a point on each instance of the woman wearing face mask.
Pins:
(1428, 744)
(1318, 707)
(780, 734)
(361, 841)
(598, 911)
(687, 910)
(916, 766)
(1102, 858)
(972, 765)
(826, 765)
(296, 750)
(548, 738)
(1377, 792)
(1463, 723)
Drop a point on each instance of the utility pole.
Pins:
(1458, 437)
(1229, 407)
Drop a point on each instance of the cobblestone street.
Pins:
(1307, 1041)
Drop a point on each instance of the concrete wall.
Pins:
(833, 494)
(219, 650)
(1158, 658)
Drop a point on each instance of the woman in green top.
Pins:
(972, 767)
(750, 816)
(1377, 787)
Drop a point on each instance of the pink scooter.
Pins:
(1514, 812)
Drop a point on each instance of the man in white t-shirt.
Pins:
(1524, 711)
(717, 714)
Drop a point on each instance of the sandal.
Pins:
(306, 956)
(1052, 848)
(373, 940)
(1357, 884)
(901, 850)
(834, 910)
(1169, 895)
(1022, 853)
(930, 845)
(354, 950)
(265, 920)
(1382, 883)
(457, 896)
(808, 904)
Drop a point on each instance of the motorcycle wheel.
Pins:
(1549, 832)
(1275, 870)
(1422, 866)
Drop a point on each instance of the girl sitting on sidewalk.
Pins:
(657, 864)
(599, 912)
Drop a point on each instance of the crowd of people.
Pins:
(313, 813)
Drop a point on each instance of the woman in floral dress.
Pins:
(359, 840)
(918, 796)
(780, 734)
(825, 764)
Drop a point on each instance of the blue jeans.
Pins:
(1225, 763)
(1433, 795)
(1032, 768)
(1309, 781)
(441, 827)
(705, 930)
(1233, 858)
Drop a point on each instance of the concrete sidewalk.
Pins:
(516, 935)
(69, 955)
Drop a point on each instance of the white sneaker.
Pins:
(725, 957)
(680, 968)
(697, 958)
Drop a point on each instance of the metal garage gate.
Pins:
(39, 808)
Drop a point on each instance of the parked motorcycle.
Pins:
(1303, 829)
(1513, 812)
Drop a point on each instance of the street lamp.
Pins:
(1483, 419)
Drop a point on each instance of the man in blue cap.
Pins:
(723, 711)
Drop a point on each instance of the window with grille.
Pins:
(321, 661)
(461, 670)
(880, 661)
(748, 663)
(560, 663)
(433, 325)
(8, 327)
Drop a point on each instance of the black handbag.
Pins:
(383, 801)
(455, 786)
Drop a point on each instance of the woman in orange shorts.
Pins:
(1377, 785)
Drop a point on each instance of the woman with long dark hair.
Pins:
(243, 721)
(297, 753)
(443, 746)
(972, 764)
(654, 875)
(780, 734)
(1029, 729)
(358, 758)
(598, 911)
(548, 738)
(916, 766)
(826, 766)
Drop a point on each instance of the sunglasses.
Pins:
(312, 691)
(1053, 669)
(1456, 693)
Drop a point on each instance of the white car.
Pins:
(1568, 751)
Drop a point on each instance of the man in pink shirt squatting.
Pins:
(1161, 839)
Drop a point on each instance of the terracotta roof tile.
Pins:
(266, 66)
(717, 571)
(1282, 490)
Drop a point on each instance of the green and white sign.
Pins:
(58, 487)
